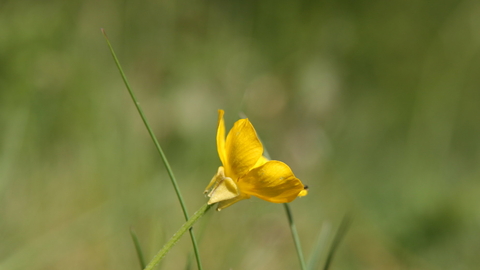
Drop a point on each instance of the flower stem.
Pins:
(159, 148)
(186, 226)
(296, 239)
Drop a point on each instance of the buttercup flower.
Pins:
(245, 172)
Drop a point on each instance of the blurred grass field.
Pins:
(373, 104)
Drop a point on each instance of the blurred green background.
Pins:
(374, 105)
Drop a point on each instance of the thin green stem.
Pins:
(138, 248)
(296, 239)
(159, 148)
(186, 226)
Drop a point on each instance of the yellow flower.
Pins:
(245, 172)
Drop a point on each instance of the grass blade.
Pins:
(320, 246)
(159, 148)
(188, 266)
(342, 230)
(138, 248)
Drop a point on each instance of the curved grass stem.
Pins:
(159, 148)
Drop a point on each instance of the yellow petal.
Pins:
(303, 193)
(221, 138)
(243, 149)
(225, 190)
(262, 160)
(224, 204)
(273, 182)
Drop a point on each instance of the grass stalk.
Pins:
(320, 246)
(138, 248)
(186, 226)
(296, 239)
(342, 230)
(159, 148)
